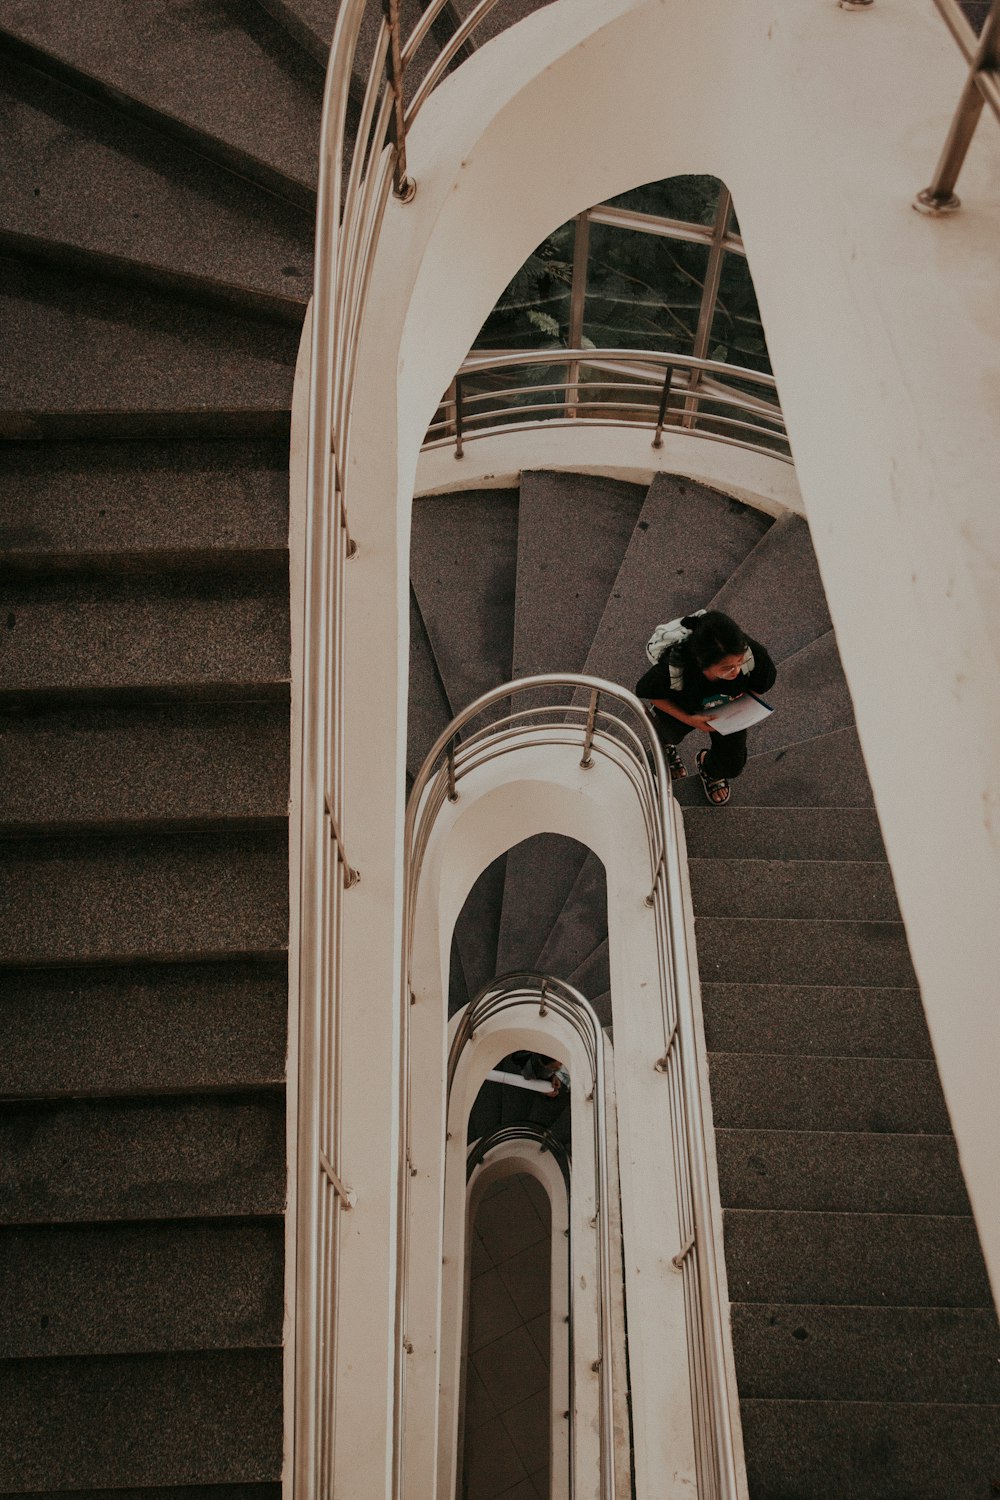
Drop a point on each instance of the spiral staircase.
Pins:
(156, 235)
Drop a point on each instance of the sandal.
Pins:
(717, 788)
(676, 767)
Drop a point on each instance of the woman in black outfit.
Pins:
(709, 661)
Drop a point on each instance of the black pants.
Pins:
(727, 753)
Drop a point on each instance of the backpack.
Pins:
(673, 633)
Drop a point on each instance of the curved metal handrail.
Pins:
(571, 1006)
(625, 737)
(524, 1130)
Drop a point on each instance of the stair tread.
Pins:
(174, 1157)
(132, 1421)
(593, 976)
(85, 766)
(142, 1288)
(810, 698)
(581, 925)
(428, 711)
(842, 1020)
(246, 87)
(82, 175)
(171, 629)
(776, 594)
(783, 833)
(860, 1259)
(79, 347)
(463, 557)
(562, 590)
(867, 1353)
(92, 501)
(835, 1171)
(686, 541)
(478, 926)
(783, 950)
(847, 890)
(896, 1450)
(823, 770)
(891, 1094)
(119, 899)
(116, 1030)
(540, 875)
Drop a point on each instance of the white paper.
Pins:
(739, 714)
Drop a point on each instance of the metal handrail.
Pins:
(524, 1130)
(683, 392)
(623, 736)
(982, 86)
(563, 1000)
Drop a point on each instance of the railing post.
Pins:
(452, 786)
(588, 738)
(940, 197)
(459, 450)
(402, 186)
(664, 403)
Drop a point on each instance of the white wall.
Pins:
(884, 329)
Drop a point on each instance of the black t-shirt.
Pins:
(697, 688)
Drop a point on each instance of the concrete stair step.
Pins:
(904, 1260)
(177, 1157)
(686, 542)
(478, 927)
(581, 926)
(429, 711)
(141, 1288)
(895, 1450)
(816, 1020)
(838, 890)
(463, 558)
(541, 872)
(177, 219)
(859, 1354)
(933, 1354)
(825, 771)
(881, 1094)
(810, 698)
(167, 631)
(844, 1172)
(785, 951)
(593, 977)
(573, 534)
(776, 594)
(86, 767)
(783, 833)
(238, 89)
(129, 504)
(117, 1030)
(88, 358)
(134, 1422)
(130, 899)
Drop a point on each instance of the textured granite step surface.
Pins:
(786, 833)
(184, 628)
(141, 898)
(463, 558)
(160, 210)
(119, 505)
(895, 1450)
(686, 542)
(810, 698)
(141, 1288)
(825, 771)
(541, 872)
(100, 1160)
(779, 951)
(894, 1094)
(118, 1030)
(235, 84)
(815, 1020)
(143, 765)
(137, 1421)
(838, 890)
(582, 924)
(429, 711)
(855, 1259)
(478, 927)
(776, 594)
(87, 357)
(861, 1354)
(840, 1171)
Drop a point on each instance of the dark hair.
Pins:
(713, 636)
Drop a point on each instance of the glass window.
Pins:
(643, 291)
(533, 312)
(693, 199)
(737, 335)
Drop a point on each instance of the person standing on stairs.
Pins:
(699, 662)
